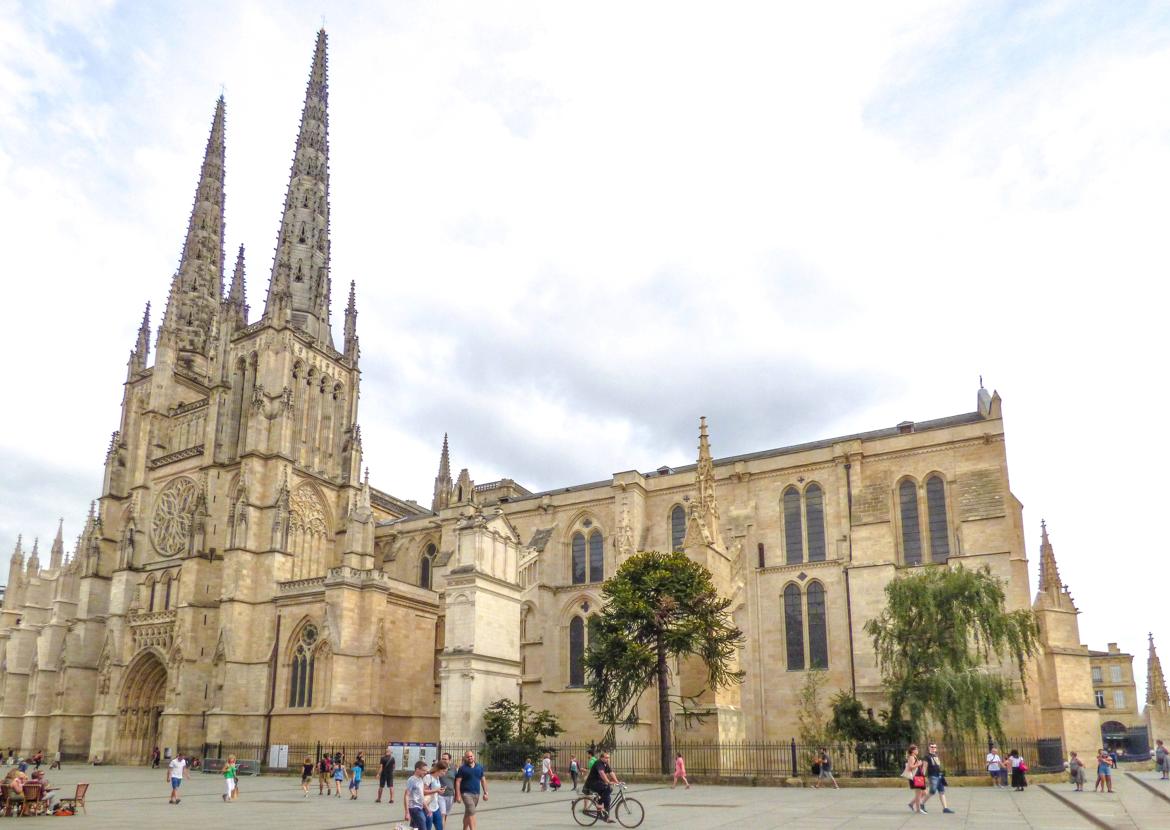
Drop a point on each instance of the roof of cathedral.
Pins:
(540, 538)
(886, 432)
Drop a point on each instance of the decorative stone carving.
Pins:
(170, 526)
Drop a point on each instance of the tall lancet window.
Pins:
(678, 527)
(936, 519)
(793, 532)
(301, 669)
(911, 532)
(596, 557)
(793, 628)
(578, 558)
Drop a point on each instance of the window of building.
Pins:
(936, 519)
(578, 546)
(793, 532)
(1115, 674)
(1100, 698)
(1096, 674)
(814, 513)
(793, 628)
(1119, 699)
(678, 527)
(596, 557)
(760, 554)
(818, 636)
(426, 566)
(577, 652)
(301, 669)
(911, 532)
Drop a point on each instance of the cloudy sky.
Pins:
(577, 227)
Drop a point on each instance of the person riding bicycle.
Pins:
(600, 782)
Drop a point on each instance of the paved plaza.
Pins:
(123, 797)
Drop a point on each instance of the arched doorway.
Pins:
(140, 708)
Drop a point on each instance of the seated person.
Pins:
(600, 781)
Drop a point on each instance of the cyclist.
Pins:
(601, 781)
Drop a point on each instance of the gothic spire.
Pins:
(300, 283)
(1049, 575)
(58, 550)
(351, 338)
(236, 302)
(34, 560)
(443, 483)
(141, 350)
(18, 551)
(705, 510)
(1155, 680)
(197, 286)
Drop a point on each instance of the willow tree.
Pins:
(942, 643)
(657, 606)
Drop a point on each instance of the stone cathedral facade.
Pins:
(239, 579)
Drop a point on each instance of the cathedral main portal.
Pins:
(140, 708)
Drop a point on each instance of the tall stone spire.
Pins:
(236, 302)
(15, 573)
(1049, 575)
(33, 566)
(57, 553)
(705, 508)
(141, 350)
(443, 482)
(299, 289)
(1155, 681)
(197, 286)
(351, 338)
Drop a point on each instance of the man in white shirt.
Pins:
(995, 767)
(176, 771)
(545, 769)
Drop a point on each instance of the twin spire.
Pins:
(299, 290)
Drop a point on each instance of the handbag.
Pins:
(919, 782)
(816, 769)
(1023, 767)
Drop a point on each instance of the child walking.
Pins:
(338, 776)
(680, 771)
(306, 775)
(526, 786)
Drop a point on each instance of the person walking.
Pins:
(306, 775)
(229, 779)
(545, 771)
(526, 774)
(592, 760)
(825, 769)
(176, 772)
(574, 770)
(1076, 772)
(155, 757)
(1019, 770)
(1162, 759)
(913, 771)
(995, 766)
(680, 771)
(936, 778)
(447, 778)
(339, 775)
(355, 778)
(324, 774)
(414, 803)
(470, 787)
(386, 774)
(433, 792)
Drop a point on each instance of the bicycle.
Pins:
(587, 809)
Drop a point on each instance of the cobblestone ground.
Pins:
(121, 797)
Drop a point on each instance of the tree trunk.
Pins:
(664, 707)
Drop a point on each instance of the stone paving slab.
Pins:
(123, 797)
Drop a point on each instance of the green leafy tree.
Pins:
(940, 643)
(812, 722)
(657, 606)
(509, 722)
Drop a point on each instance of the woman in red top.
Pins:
(680, 771)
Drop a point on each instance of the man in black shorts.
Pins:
(386, 774)
(600, 781)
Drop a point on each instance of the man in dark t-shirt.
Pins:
(601, 780)
(386, 775)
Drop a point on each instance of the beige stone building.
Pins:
(239, 578)
(1114, 694)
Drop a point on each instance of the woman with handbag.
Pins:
(915, 773)
(1019, 780)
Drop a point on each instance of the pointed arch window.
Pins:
(911, 532)
(596, 557)
(577, 652)
(426, 567)
(678, 527)
(793, 532)
(578, 557)
(793, 628)
(936, 519)
(814, 512)
(302, 668)
(153, 586)
(818, 634)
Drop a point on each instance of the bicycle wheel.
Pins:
(629, 812)
(585, 811)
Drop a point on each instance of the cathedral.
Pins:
(239, 579)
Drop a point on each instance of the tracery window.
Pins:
(578, 557)
(302, 669)
(804, 524)
(793, 532)
(936, 519)
(596, 557)
(818, 635)
(577, 652)
(426, 566)
(793, 628)
(911, 532)
(678, 527)
(814, 511)
(170, 526)
(916, 503)
(308, 533)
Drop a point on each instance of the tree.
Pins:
(940, 641)
(657, 606)
(509, 722)
(812, 725)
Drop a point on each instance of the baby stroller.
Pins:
(554, 781)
